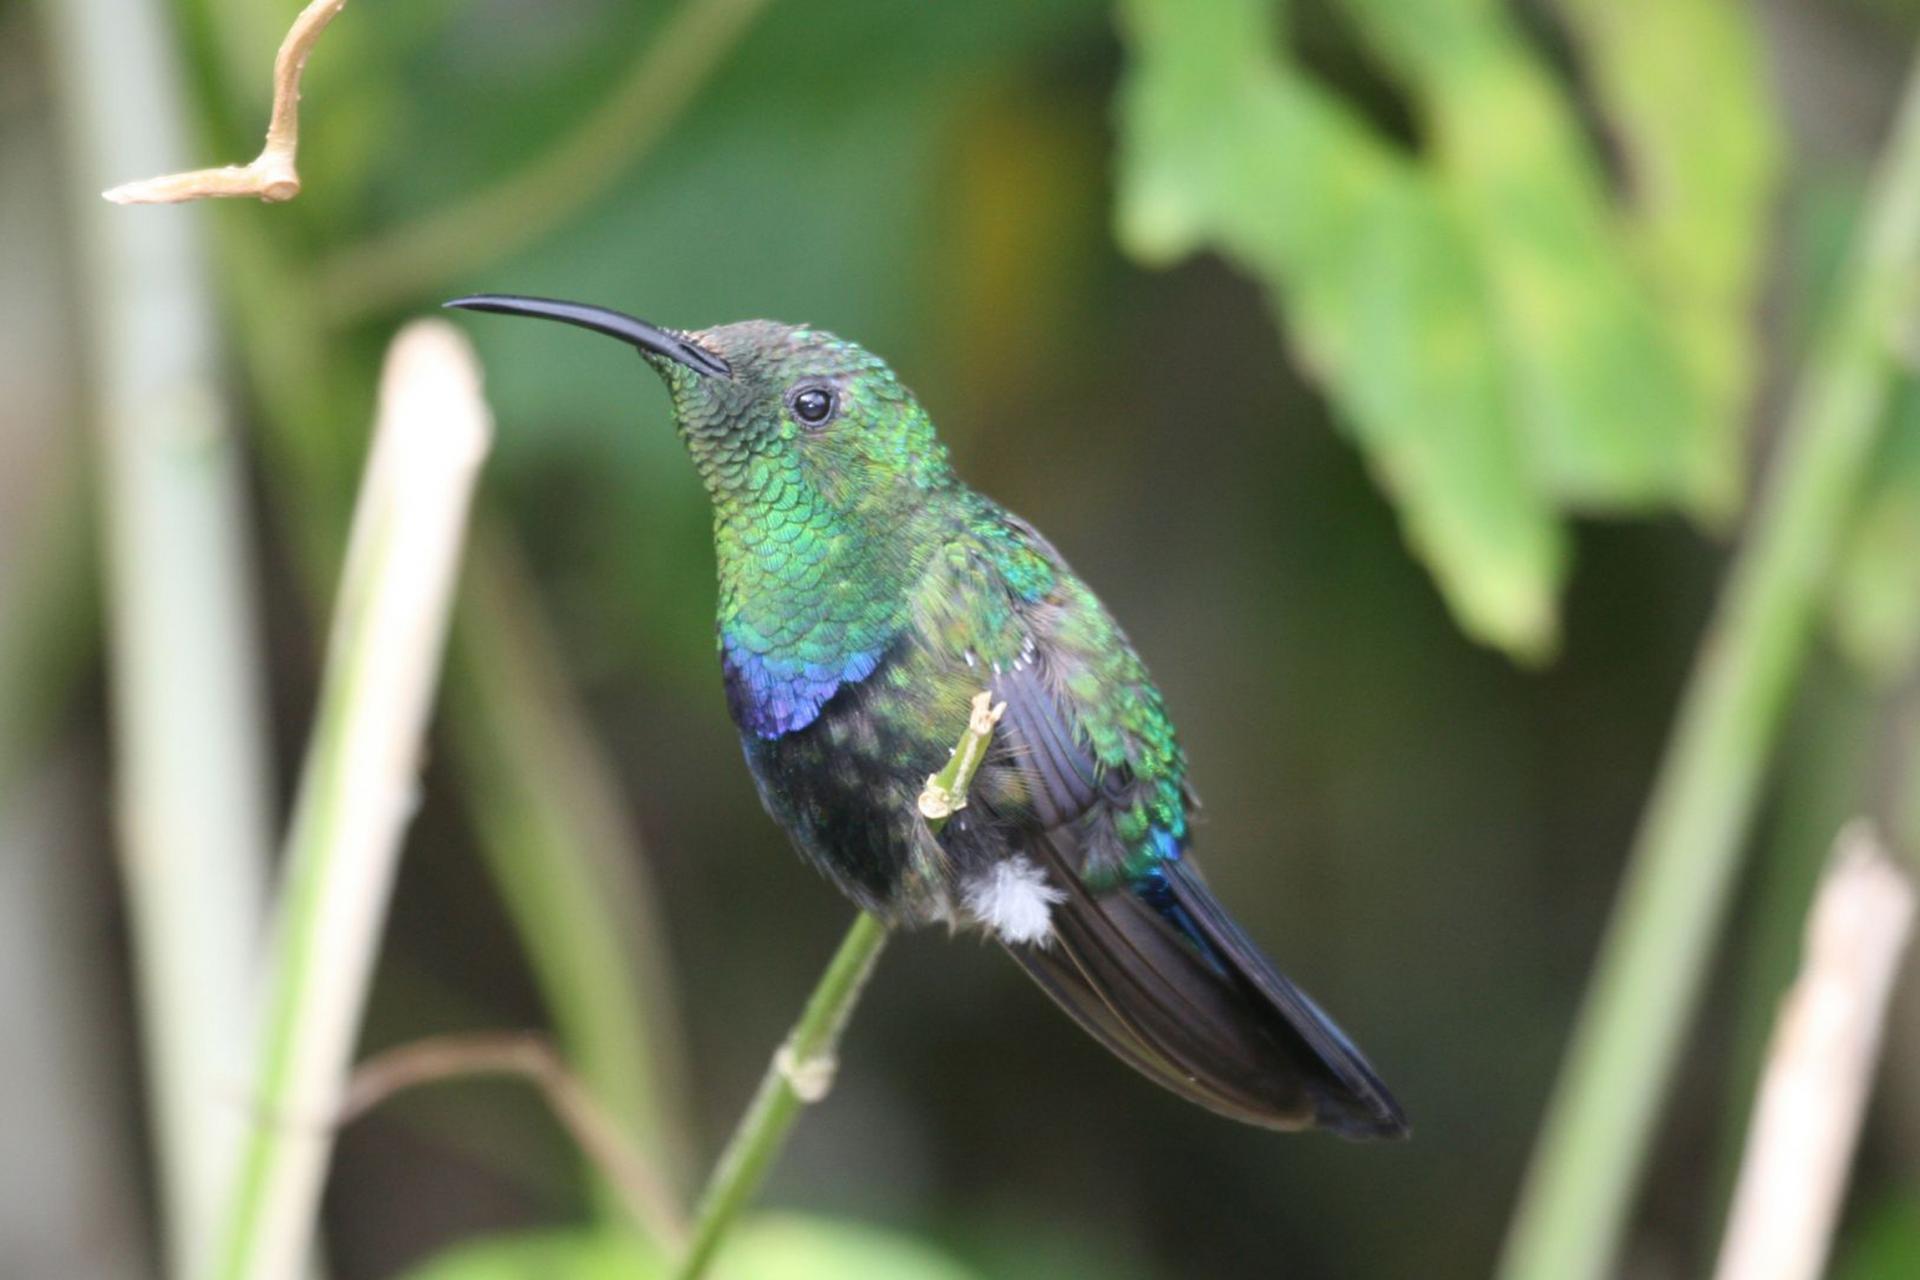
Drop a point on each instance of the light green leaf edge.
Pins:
(1500, 340)
(1601, 390)
(1222, 146)
(1683, 87)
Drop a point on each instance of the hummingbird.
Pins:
(866, 596)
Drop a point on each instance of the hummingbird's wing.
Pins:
(1059, 975)
(1062, 778)
(1087, 780)
(1152, 966)
(1174, 989)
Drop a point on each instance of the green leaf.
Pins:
(1876, 591)
(1484, 320)
(1600, 391)
(1225, 145)
(1683, 87)
(768, 1247)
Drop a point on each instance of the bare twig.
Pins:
(1819, 1068)
(531, 1058)
(271, 176)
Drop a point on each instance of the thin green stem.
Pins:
(799, 1073)
(1576, 1200)
(414, 259)
(802, 1071)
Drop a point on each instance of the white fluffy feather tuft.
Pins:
(1013, 899)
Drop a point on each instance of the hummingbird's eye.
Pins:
(812, 405)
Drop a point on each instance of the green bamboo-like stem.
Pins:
(416, 258)
(553, 831)
(562, 855)
(1575, 1202)
(357, 789)
(802, 1071)
(191, 754)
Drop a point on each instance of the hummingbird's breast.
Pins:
(844, 786)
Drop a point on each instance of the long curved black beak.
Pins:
(648, 338)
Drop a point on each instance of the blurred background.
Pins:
(1398, 374)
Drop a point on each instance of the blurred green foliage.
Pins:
(1515, 252)
(1887, 1244)
(769, 1247)
(1875, 610)
(1523, 272)
(1876, 597)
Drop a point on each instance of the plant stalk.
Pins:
(1821, 1061)
(1578, 1194)
(554, 836)
(358, 791)
(190, 769)
(802, 1071)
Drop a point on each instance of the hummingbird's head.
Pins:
(777, 414)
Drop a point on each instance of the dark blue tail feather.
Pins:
(1158, 973)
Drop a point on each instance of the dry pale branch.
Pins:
(1819, 1068)
(533, 1059)
(271, 176)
